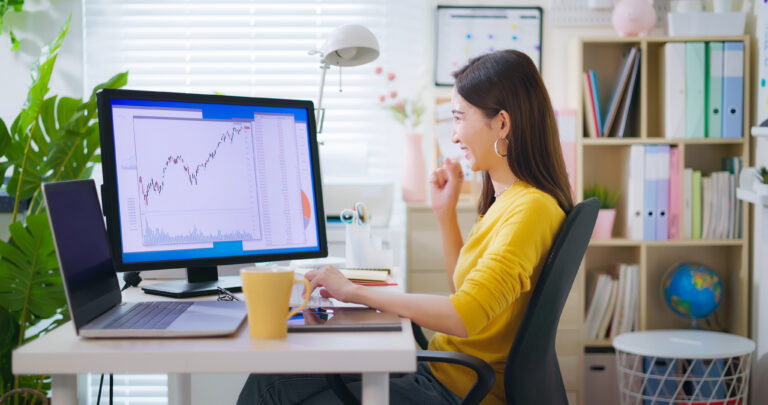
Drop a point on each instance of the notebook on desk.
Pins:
(344, 320)
(90, 282)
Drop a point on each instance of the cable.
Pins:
(110, 389)
(132, 279)
(98, 398)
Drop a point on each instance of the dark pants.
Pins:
(420, 388)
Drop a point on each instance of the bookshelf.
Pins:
(602, 160)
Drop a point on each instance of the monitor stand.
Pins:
(200, 281)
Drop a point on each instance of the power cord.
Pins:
(132, 279)
(101, 382)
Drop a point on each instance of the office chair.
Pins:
(532, 373)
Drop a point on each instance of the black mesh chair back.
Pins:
(532, 374)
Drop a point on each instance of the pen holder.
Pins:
(361, 251)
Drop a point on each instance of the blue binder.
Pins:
(733, 89)
(649, 192)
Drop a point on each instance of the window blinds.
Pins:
(260, 49)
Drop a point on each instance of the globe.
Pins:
(692, 291)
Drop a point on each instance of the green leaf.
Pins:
(29, 278)
(9, 335)
(15, 44)
(41, 76)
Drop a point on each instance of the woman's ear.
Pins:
(505, 123)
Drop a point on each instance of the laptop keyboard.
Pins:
(149, 315)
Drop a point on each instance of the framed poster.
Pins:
(465, 32)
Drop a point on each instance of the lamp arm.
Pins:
(320, 116)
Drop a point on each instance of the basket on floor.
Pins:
(683, 367)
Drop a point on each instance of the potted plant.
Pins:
(761, 187)
(52, 139)
(607, 214)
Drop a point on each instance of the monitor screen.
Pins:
(202, 180)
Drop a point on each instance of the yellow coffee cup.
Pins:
(267, 292)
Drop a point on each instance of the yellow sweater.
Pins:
(495, 274)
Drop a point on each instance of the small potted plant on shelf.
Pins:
(761, 187)
(607, 214)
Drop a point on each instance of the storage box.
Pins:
(709, 24)
(601, 386)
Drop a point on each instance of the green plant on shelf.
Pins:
(762, 175)
(608, 197)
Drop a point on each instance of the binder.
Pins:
(635, 187)
(675, 211)
(696, 205)
(662, 192)
(649, 190)
(694, 89)
(674, 90)
(733, 89)
(687, 203)
(714, 128)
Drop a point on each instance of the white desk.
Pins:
(374, 354)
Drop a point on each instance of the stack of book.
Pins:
(666, 202)
(614, 308)
(703, 89)
(612, 121)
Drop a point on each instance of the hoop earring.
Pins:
(496, 148)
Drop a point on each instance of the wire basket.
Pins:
(648, 380)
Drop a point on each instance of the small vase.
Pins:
(604, 225)
(414, 178)
(633, 17)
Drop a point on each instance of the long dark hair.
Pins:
(508, 80)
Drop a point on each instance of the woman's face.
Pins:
(475, 133)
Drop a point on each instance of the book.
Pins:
(596, 102)
(365, 274)
(590, 119)
(622, 78)
(620, 126)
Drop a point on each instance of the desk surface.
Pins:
(62, 352)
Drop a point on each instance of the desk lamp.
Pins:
(348, 45)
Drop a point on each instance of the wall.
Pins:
(37, 25)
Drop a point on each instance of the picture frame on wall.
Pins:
(464, 32)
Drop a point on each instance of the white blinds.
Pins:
(129, 389)
(259, 48)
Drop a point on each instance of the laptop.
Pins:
(90, 282)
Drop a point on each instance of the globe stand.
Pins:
(694, 325)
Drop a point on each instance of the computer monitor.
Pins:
(198, 181)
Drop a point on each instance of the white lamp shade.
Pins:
(350, 45)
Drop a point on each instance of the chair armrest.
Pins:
(418, 334)
(486, 377)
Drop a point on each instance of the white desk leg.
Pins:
(64, 389)
(375, 388)
(179, 389)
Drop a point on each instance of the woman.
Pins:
(504, 122)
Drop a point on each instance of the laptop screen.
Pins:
(82, 248)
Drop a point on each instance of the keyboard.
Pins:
(315, 299)
(149, 315)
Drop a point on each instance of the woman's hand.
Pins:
(445, 184)
(336, 285)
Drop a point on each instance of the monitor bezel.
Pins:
(109, 170)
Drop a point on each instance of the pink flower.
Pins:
(378, 70)
(392, 94)
(390, 76)
(382, 98)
